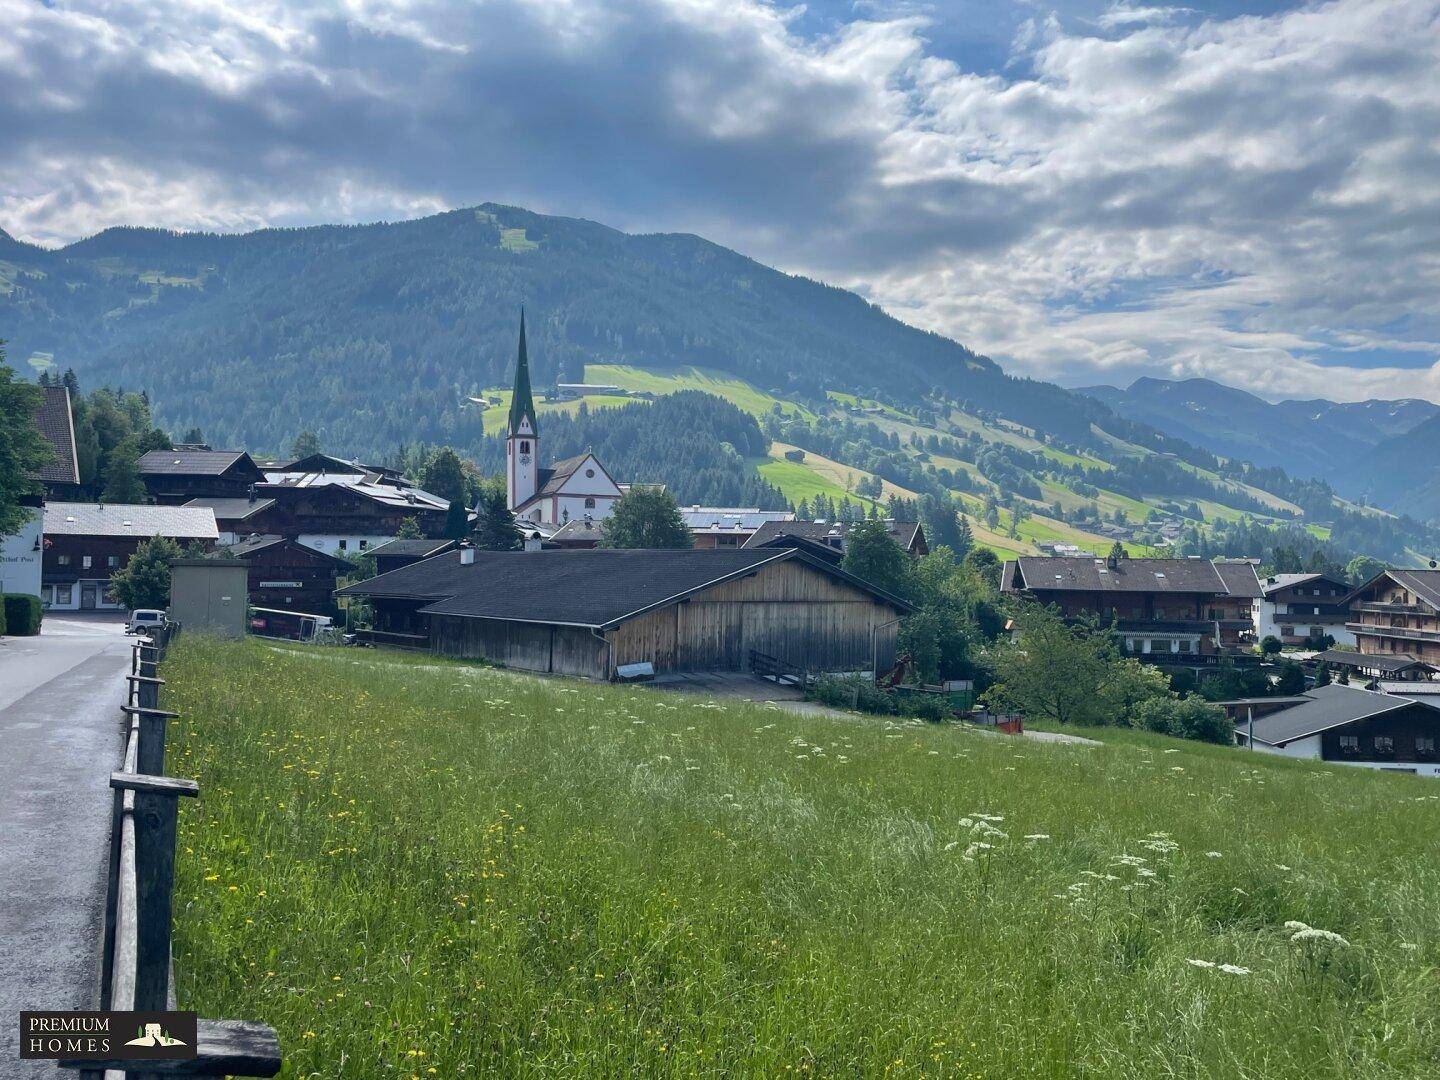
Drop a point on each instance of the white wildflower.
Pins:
(1309, 934)
(1037, 836)
(1213, 855)
(952, 845)
(1234, 969)
(1200, 963)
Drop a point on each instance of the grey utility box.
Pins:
(209, 595)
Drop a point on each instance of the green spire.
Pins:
(522, 406)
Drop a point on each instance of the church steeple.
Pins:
(522, 441)
(522, 405)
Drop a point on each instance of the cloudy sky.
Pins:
(1087, 191)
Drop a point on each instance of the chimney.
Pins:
(467, 554)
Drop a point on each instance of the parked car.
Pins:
(142, 619)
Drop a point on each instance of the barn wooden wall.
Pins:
(564, 650)
(788, 610)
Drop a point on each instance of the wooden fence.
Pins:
(136, 970)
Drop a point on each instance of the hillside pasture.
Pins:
(416, 868)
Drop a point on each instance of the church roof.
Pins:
(522, 405)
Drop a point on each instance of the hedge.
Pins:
(22, 614)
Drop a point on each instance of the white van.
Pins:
(142, 619)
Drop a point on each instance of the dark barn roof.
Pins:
(598, 588)
(193, 462)
(1325, 707)
(263, 543)
(55, 422)
(1090, 574)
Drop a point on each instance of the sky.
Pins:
(1086, 191)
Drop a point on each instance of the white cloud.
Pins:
(1253, 199)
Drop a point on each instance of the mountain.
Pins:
(1402, 472)
(1306, 438)
(374, 335)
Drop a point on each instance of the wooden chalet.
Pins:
(85, 543)
(587, 613)
(1235, 613)
(174, 477)
(1387, 666)
(910, 535)
(1161, 609)
(338, 513)
(286, 574)
(1397, 614)
(1351, 726)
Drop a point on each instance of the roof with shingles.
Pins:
(1376, 661)
(903, 533)
(253, 544)
(1278, 582)
(130, 519)
(235, 509)
(56, 423)
(194, 462)
(416, 547)
(1325, 708)
(1240, 579)
(598, 587)
(1090, 574)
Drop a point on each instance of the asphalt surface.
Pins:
(60, 697)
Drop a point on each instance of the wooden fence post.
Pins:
(150, 760)
(156, 812)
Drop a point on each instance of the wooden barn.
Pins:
(587, 612)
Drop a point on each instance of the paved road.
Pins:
(60, 696)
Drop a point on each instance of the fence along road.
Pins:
(136, 970)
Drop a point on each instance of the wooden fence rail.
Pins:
(136, 970)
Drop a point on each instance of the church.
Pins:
(576, 488)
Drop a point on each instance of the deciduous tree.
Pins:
(645, 517)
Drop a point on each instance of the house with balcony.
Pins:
(1396, 616)
(1301, 609)
(1349, 726)
(1168, 610)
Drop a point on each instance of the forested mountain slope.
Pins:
(373, 334)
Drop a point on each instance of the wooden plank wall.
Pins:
(564, 650)
(789, 610)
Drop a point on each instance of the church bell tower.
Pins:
(522, 443)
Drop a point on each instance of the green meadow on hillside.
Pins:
(417, 868)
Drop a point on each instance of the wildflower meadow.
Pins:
(416, 868)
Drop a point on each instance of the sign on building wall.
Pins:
(20, 558)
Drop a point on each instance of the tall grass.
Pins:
(415, 868)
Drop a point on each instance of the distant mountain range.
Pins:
(1379, 450)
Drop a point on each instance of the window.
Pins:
(1384, 744)
(1187, 646)
(112, 561)
(1425, 744)
(85, 562)
(344, 544)
(524, 446)
(1350, 744)
(1287, 631)
(63, 560)
(64, 594)
(589, 503)
(364, 544)
(589, 474)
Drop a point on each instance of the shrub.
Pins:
(1190, 717)
(22, 614)
(855, 692)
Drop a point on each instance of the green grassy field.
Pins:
(413, 868)
(796, 482)
(736, 391)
